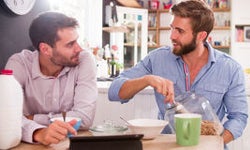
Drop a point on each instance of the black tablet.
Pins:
(109, 142)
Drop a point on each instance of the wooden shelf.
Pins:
(163, 10)
(222, 28)
(153, 46)
(158, 10)
(152, 28)
(123, 29)
(164, 28)
(221, 9)
(131, 45)
(167, 10)
(221, 47)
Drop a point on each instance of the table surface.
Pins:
(162, 142)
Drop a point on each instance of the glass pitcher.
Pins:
(193, 103)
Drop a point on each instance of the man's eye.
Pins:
(70, 45)
(181, 31)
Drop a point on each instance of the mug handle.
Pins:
(186, 129)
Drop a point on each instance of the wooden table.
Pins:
(162, 142)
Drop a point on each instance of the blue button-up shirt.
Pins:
(221, 81)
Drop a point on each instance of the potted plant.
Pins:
(118, 67)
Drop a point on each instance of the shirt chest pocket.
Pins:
(214, 93)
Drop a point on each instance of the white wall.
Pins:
(240, 16)
(93, 22)
(89, 15)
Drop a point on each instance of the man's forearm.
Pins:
(131, 87)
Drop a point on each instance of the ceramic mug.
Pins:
(67, 119)
(188, 128)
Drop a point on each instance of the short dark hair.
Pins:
(45, 26)
(200, 13)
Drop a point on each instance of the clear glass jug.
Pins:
(193, 103)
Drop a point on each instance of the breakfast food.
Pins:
(210, 128)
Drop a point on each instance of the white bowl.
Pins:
(149, 127)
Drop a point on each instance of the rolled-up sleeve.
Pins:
(141, 69)
(113, 92)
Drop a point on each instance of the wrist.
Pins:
(30, 117)
(36, 135)
(146, 79)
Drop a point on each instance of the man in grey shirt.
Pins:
(57, 77)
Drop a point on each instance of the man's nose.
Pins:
(173, 34)
(78, 48)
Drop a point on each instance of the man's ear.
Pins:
(45, 48)
(201, 36)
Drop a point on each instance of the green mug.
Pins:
(187, 128)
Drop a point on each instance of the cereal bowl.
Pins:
(151, 128)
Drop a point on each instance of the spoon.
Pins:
(125, 121)
(64, 115)
(179, 108)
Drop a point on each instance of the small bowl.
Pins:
(108, 128)
(68, 119)
(151, 128)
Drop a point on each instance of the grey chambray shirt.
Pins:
(74, 90)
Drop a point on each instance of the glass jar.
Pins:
(193, 103)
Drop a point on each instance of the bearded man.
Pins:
(191, 64)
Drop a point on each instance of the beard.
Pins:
(60, 60)
(184, 48)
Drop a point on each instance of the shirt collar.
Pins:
(211, 53)
(35, 66)
(36, 72)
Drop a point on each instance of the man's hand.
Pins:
(162, 86)
(54, 133)
(227, 136)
